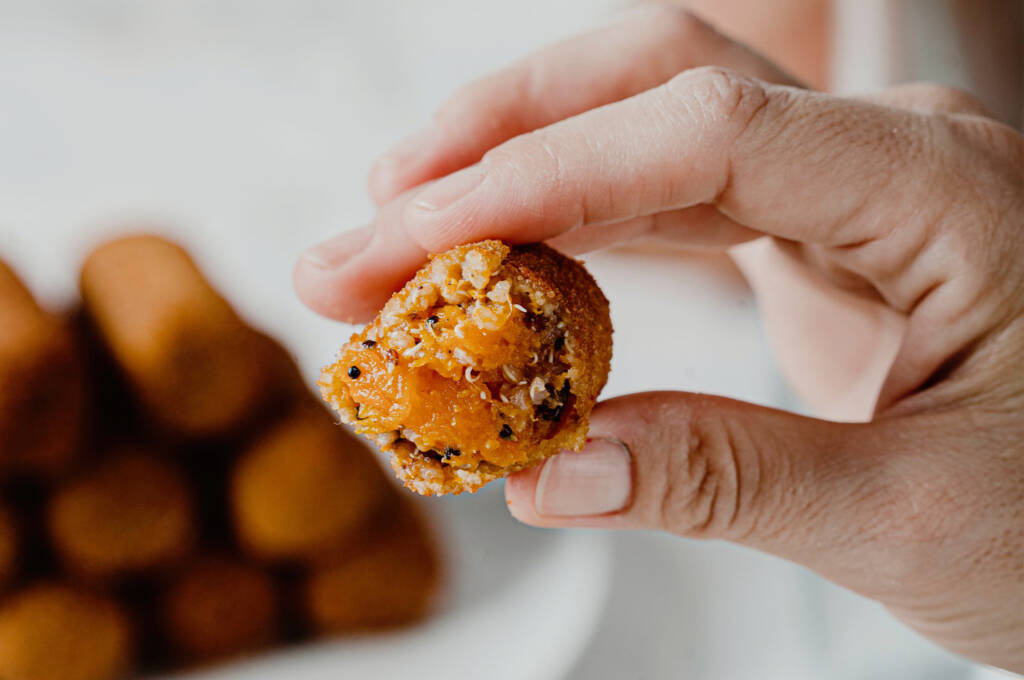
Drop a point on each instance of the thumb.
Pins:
(707, 467)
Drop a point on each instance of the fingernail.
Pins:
(335, 252)
(594, 481)
(409, 148)
(446, 191)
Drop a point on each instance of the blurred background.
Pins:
(244, 130)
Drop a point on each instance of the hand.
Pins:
(911, 202)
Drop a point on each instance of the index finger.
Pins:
(647, 47)
(790, 163)
(787, 162)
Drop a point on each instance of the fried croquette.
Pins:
(304, 487)
(55, 632)
(219, 607)
(489, 360)
(8, 547)
(390, 579)
(197, 367)
(42, 386)
(132, 514)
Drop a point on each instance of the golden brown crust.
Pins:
(132, 514)
(486, 307)
(219, 607)
(304, 487)
(391, 578)
(583, 307)
(199, 369)
(42, 384)
(55, 632)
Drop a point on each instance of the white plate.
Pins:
(521, 603)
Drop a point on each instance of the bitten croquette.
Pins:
(488, 361)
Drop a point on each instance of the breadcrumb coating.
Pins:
(488, 361)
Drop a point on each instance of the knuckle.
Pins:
(948, 99)
(1001, 144)
(459, 105)
(916, 513)
(534, 153)
(475, 106)
(536, 162)
(719, 96)
(678, 21)
(702, 495)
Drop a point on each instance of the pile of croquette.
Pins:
(171, 492)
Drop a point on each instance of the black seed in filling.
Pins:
(432, 319)
(505, 432)
(549, 413)
(451, 452)
(535, 322)
(354, 372)
(369, 343)
(553, 413)
(563, 394)
(559, 343)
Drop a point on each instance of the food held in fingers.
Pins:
(56, 632)
(489, 360)
(219, 607)
(42, 391)
(391, 578)
(131, 514)
(304, 487)
(197, 367)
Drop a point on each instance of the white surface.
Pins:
(246, 128)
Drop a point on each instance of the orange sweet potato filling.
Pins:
(436, 397)
(465, 372)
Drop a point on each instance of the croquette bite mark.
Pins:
(493, 351)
